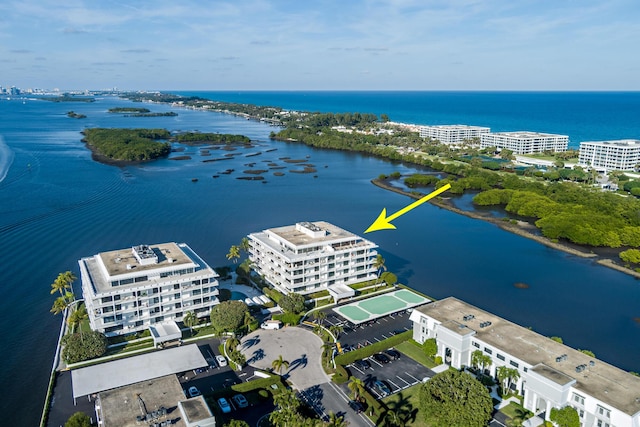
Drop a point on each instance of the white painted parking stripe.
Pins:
(394, 384)
(402, 379)
(417, 380)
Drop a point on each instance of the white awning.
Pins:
(166, 331)
(131, 370)
(340, 291)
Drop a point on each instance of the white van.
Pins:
(271, 324)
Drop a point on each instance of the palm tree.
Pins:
(190, 320)
(378, 264)
(234, 254)
(76, 318)
(336, 421)
(59, 305)
(319, 316)
(520, 415)
(63, 282)
(357, 387)
(244, 245)
(392, 419)
(279, 363)
(336, 330)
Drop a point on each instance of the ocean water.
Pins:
(58, 205)
(583, 116)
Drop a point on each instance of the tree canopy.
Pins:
(292, 303)
(228, 316)
(454, 398)
(79, 419)
(128, 144)
(565, 417)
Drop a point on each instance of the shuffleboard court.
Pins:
(380, 305)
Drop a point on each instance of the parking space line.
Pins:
(417, 380)
(371, 359)
(376, 338)
(394, 384)
(403, 380)
(384, 336)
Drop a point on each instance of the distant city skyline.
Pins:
(322, 45)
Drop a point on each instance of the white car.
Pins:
(193, 391)
(222, 361)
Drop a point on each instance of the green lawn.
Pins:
(512, 410)
(406, 403)
(414, 351)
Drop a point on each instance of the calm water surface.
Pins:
(58, 205)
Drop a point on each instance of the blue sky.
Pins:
(321, 45)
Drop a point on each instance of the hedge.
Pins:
(288, 318)
(361, 353)
(262, 383)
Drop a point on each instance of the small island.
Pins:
(67, 98)
(140, 112)
(74, 115)
(122, 146)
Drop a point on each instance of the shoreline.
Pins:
(513, 228)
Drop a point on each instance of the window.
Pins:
(106, 299)
(488, 350)
(116, 297)
(512, 363)
(141, 279)
(499, 356)
(205, 280)
(176, 286)
(578, 399)
(475, 344)
(603, 412)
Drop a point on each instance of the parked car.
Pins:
(392, 353)
(240, 401)
(193, 391)
(362, 364)
(224, 405)
(381, 388)
(222, 361)
(356, 406)
(381, 358)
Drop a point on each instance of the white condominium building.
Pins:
(452, 134)
(130, 289)
(525, 142)
(605, 156)
(550, 374)
(310, 256)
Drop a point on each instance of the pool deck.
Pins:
(231, 285)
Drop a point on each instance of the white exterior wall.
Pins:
(309, 268)
(452, 134)
(525, 142)
(610, 155)
(133, 308)
(547, 393)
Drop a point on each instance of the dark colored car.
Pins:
(362, 364)
(381, 358)
(356, 406)
(392, 353)
(381, 388)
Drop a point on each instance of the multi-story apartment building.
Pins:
(453, 134)
(130, 289)
(606, 156)
(525, 142)
(550, 374)
(310, 256)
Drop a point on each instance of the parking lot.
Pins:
(395, 374)
(367, 333)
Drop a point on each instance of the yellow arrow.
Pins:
(383, 221)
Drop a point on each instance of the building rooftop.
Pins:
(130, 370)
(123, 406)
(196, 412)
(525, 134)
(455, 127)
(307, 233)
(623, 143)
(123, 261)
(605, 382)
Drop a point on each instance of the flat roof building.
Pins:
(128, 290)
(310, 256)
(453, 134)
(157, 402)
(622, 155)
(550, 374)
(525, 142)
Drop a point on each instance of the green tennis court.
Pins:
(380, 305)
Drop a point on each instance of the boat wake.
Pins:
(6, 159)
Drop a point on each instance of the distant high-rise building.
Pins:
(605, 156)
(453, 134)
(525, 142)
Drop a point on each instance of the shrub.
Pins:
(292, 303)
(224, 295)
(437, 360)
(352, 356)
(287, 318)
(79, 347)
